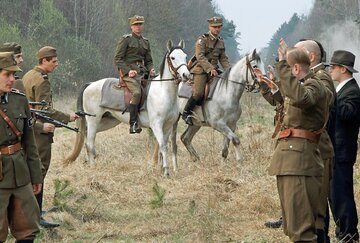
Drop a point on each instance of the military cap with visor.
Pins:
(46, 51)
(215, 21)
(7, 62)
(10, 47)
(136, 19)
(345, 59)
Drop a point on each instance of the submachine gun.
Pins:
(41, 115)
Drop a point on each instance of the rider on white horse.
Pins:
(133, 59)
(209, 50)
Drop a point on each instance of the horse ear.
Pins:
(182, 44)
(169, 45)
(254, 53)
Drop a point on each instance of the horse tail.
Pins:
(81, 124)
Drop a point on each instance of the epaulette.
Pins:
(127, 35)
(17, 91)
(205, 35)
(145, 38)
(16, 77)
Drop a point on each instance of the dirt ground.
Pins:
(125, 198)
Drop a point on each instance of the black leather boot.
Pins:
(186, 115)
(134, 124)
(320, 236)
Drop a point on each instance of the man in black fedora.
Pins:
(347, 121)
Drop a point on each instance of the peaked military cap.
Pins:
(344, 58)
(10, 47)
(215, 21)
(7, 62)
(46, 51)
(136, 19)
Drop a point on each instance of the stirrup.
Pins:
(134, 128)
(188, 120)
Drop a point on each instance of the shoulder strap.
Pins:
(11, 124)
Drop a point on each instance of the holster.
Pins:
(1, 168)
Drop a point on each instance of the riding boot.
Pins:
(321, 238)
(186, 115)
(134, 124)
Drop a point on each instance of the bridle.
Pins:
(249, 68)
(174, 70)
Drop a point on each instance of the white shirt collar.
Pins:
(342, 84)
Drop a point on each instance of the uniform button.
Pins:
(5, 110)
(9, 133)
(7, 126)
(290, 146)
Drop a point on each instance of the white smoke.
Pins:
(343, 36)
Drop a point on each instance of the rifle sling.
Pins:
(11, 124)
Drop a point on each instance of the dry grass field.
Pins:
(125, 198)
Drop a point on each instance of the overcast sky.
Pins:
(257, 20)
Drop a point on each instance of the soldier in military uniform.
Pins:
(316, 55)
(37, 88)
(209, 51)
(296, 161)
(133, 60)
(20, 172)
(16, 49)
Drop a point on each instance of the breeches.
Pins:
(134, 85)
(299, 198)
(324, 194)
(199, 86)
(44, 149)
(19, 211)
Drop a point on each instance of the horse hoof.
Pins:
(166, 172)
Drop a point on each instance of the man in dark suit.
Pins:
(347, 121)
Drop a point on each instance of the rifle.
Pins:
(83, 113)
(57, 123)
(42, 103)
(39, 111)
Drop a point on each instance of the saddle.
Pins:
(118, 97)
(185, 90)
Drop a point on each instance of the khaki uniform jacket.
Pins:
(22, 167)
(304, 108)
(325, 144)
(209, 51)
(133, 53)
(38, 88)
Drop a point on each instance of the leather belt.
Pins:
(11, 149)
(299, 133)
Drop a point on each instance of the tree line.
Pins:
(86, 32)
(335, 23)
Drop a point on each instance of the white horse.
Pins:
(223, 110)
(161, 108)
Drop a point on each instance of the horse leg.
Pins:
(155, 156)
(90, 139)
(225, 150)
(162, 141)
(187, 137)
(229, 134)
(173, 144)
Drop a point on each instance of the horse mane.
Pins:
(162, 65)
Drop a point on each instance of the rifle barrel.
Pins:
(55, 122)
